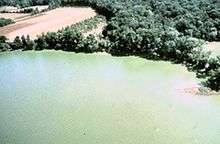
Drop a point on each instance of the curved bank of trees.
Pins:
(170, 30)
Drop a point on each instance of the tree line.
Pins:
(4, 22)
(23, 3)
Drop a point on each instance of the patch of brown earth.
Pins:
(49, 22)
(13, 16)
(12, 27)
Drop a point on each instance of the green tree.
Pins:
(17, 43)
(41, 43)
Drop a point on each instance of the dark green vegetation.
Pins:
(23, 3)
(4, 22)
(30, 10)
(155, 29)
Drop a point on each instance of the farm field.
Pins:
(50, 21)
(14, 16)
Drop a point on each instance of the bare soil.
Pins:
(214, 47)
(13, 16)
(49, 22)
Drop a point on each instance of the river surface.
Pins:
(57, 97)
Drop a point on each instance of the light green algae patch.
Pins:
(53, 97)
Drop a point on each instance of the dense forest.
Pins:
(171, 30)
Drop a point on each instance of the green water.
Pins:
(65, 98)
